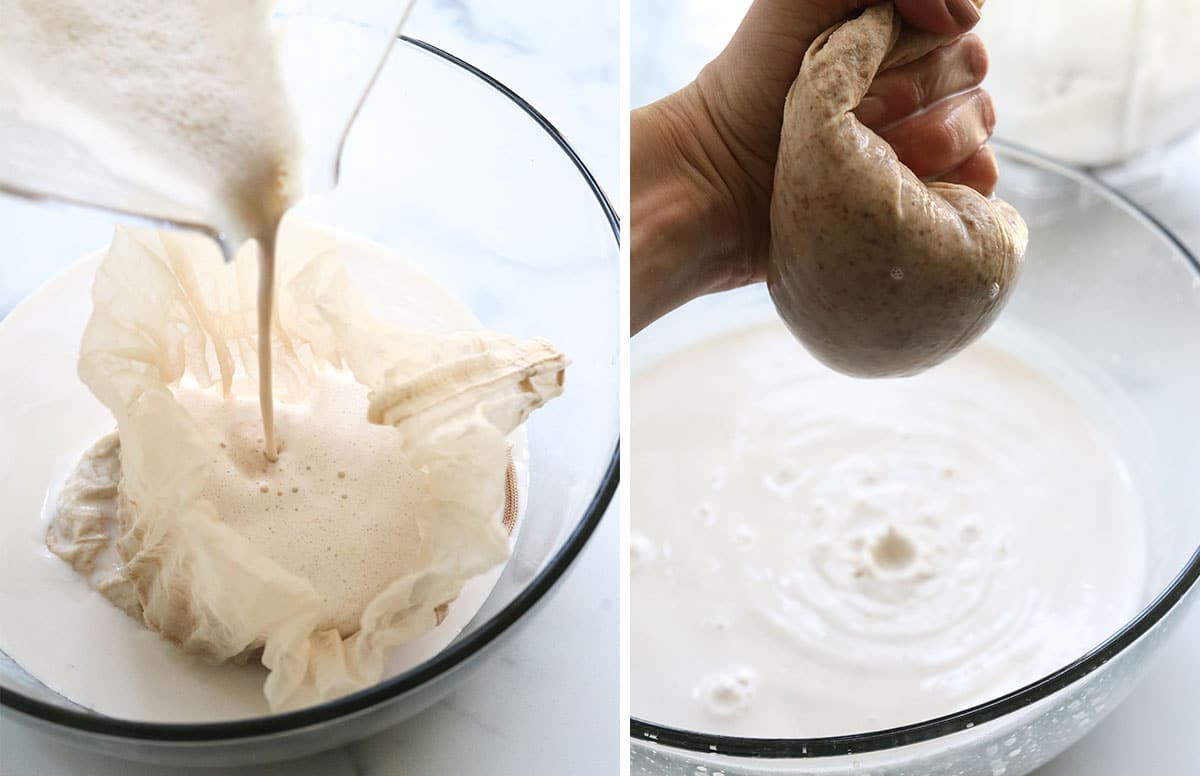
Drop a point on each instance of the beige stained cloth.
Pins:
(876, 272)
(86, 523)
(159, 315)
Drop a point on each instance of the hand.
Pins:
(703, 159)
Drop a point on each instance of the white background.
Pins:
(546, 703)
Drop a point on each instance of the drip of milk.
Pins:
(813, 555)
(183, 104)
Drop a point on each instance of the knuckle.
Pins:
(975, 55)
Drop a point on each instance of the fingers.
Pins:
(944, 136)
(934, 115)
(979, 171)
(947, 17)
(899, 93)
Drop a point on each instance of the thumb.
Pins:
(773, 36)
(747, 84)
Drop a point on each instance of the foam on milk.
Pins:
(337, 508)
(813, 555)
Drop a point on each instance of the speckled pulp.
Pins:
(876, 272)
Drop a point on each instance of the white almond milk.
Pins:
(814, 555)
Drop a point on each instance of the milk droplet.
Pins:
(727, 693)
(641, 550)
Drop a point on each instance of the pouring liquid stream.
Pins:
(266, 310)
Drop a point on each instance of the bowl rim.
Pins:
(441, 663)
(644, 732)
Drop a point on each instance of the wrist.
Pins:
(685, 238)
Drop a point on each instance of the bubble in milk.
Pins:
(728, 693)
(641, 550)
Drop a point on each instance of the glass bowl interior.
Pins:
(1112, 293)
(449, 168)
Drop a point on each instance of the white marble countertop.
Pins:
(498, 722)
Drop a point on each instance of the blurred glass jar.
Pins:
(1093, 83)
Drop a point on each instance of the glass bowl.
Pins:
(449, 167)
(1109, 288)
